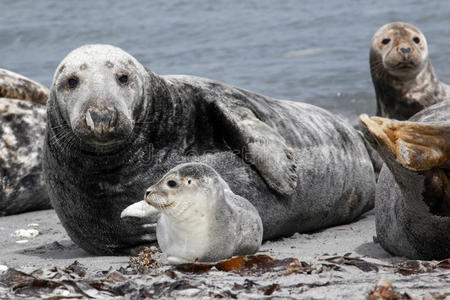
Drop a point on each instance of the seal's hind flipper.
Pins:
(414, 145)
(259, 144)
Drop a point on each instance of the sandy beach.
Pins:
(342, 262)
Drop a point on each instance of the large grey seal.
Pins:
(413, 191)
(115, 128)
(402, 74)
(201, 219)
(22, 131)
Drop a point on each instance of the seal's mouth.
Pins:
(158, 201)
(103, 138)
(404, 65)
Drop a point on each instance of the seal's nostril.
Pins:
(405, 50)
(101, 119)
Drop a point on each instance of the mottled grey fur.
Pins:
(185, 118)
(404, 224)
(22, 131)
(15, 86)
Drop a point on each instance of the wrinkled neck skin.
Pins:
(158, 119)
(402, 97)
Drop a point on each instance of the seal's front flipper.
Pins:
(415, 145)
(260, 145)
(139, 209)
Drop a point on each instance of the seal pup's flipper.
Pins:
(415, 145)
(260, 145)
(139, 209)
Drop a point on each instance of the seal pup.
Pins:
(413, 191)
(201, 218)
(402, 74)
(15, 86)
(22, 131)
(122, 127)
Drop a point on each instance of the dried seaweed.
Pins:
(384, 291)
(247, 286)
(246, 265)
(270, 289)
(412, 267)
(353, 261)
(145, 261)
(186, 280)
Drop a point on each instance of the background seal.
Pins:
(402, 74)
(413, 192)
(22, 131)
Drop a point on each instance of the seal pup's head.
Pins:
(399, 49)
(188, 191)
(98, 90)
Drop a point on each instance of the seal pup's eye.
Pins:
(123, 79)
(189, 181)
(72, 82)
(172, 183)
(385, 41)
(416, 40)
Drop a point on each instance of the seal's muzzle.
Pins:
(101, 120)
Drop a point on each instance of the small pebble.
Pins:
(25, 233)
(33, 225)
(22, 241)
(3, 269)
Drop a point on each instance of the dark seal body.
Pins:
(402, 73)
(413, 190)
(189, 119)
(22, 131)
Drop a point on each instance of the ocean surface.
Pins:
(312, 51)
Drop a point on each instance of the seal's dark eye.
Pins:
(172, 183)
(416, 40)
(72, 82)
(385, 41)
(123, 79)
(189, 181)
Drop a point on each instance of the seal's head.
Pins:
(99, 90)
(187, 192)
(399, 49)
(192, 187)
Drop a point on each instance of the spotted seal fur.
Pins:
(22, 131)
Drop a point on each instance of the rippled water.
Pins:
(300, 50)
